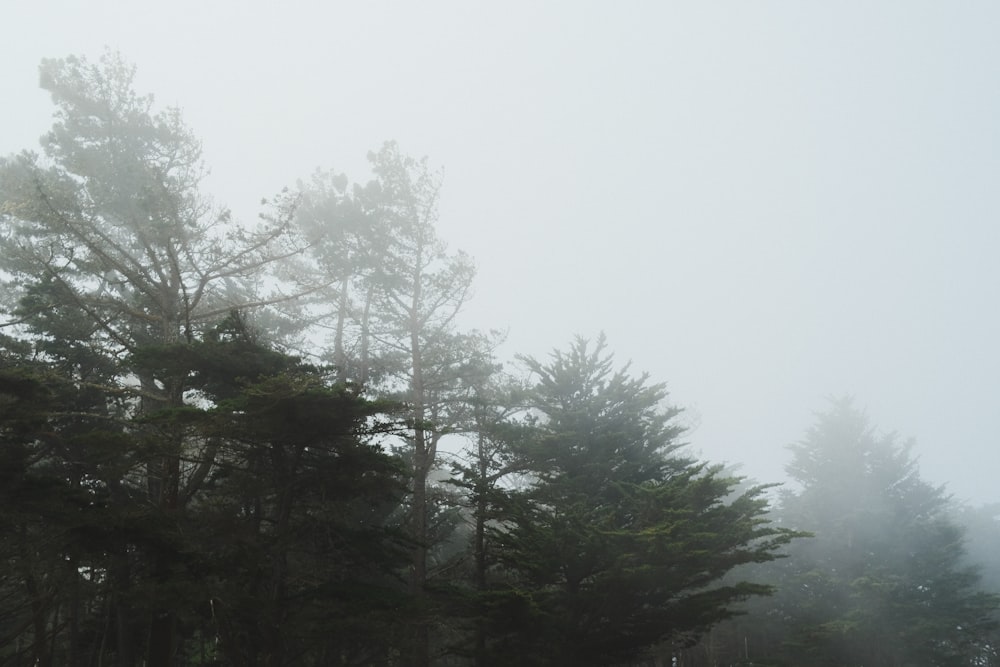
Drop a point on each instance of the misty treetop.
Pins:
(275, 444)
(882, 581)
(110, 218)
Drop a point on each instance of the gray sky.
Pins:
(761, 203)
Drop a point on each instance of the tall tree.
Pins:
(112, 215)
(498, 427)
(418, 292)
(106, 236)
(621, 541)
(982, 539)
(884, 581)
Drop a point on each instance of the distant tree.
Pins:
(884, 581)
(982, 533)
(981, 526)
(621, 540)
(346, 245)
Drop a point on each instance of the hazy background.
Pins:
(761, 203)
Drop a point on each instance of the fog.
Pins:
(761, 204)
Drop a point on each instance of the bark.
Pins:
(421, 467)
(339, 355)
(479, 544)
(164, 488)
(366, 336)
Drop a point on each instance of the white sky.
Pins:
(761, 203)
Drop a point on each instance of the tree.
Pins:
(107, 245)
(285, 552)
(981, 528)
(289, 532)
(498, 429)
(410, 308)
(68, 515)
(113, 218)
(346, 243)
(883, 582)
(620, 542)
(35, 497)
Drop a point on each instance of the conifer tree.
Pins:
(621, 541)
(884, 580)
(107, 245)
(289, 531)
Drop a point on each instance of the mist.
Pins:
(762, 206)
(770, 227)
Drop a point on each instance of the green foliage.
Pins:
(60, 487)
(175, 488)
(284, 548)
(289, 530)
(620, 542)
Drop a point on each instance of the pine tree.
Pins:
(108, 246)
(620, 542)
(288, 551)
(883, 582)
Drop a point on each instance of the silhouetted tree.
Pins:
(290, 528)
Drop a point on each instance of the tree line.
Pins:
(268, 444)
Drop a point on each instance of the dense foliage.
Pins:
(224, 444)
(619, 541)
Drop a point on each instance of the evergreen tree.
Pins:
(68, 512)
(621, 540)
(410, 310)
(884, 581)
(107, 246)
(291, 526)
(982, 539)
(498, 430)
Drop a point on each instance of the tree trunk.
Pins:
(366, 336)
(420, 656)
(339, 355)
(164, 488)
(479, 545)
(124, 615)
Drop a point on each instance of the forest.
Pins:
(273, 443)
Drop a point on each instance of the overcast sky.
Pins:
(761, 203)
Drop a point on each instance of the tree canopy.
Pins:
(620, 541)
(274, 443)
